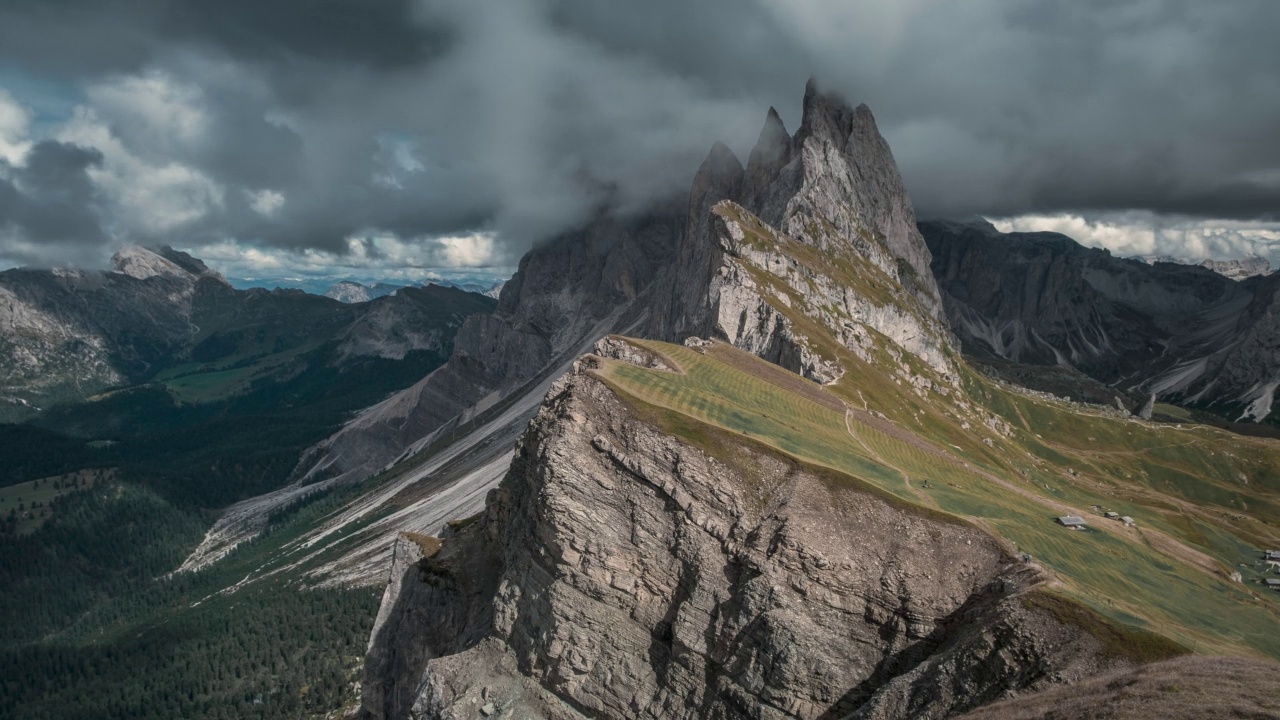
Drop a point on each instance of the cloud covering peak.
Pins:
(295, 127)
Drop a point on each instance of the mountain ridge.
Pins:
(1183, 333)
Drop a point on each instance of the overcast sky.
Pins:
(287, 136)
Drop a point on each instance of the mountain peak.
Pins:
(829, 114)
(143, 263)
(188, 262)
(773, 148)
(721, 168)
(838, 184)
(163, 261)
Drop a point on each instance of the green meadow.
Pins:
(1205, 500)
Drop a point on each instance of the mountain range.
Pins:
(350, 291)
(1238, 269)
(795, 497)
(1181, 333)
(161, 314)
(769, 449)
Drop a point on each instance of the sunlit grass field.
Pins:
(1205, 500)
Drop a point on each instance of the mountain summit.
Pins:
(820, 222)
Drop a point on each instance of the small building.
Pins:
(1130, 522)
(1111, 515)
(1072, 521)
(1273, 583)
(1273, 556)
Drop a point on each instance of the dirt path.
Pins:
(921, 497)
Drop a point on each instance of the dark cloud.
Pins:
(72, 37)
(46, 206)
(300, 123)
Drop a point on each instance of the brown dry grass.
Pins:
(428, 544)
(1188, 688)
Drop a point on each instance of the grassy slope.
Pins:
(1186, 486)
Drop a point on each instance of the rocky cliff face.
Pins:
(1182, 332)
(620, 572)
(817, 227)
(567, 294)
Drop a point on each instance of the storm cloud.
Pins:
(401, 129)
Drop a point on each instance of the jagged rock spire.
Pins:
(839, 168)
(773, 148)
(833, 185)
(719, 178)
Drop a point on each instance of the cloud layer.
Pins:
(1143, 233)
(296, 127)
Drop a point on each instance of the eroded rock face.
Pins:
(620, 572)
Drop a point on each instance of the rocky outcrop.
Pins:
(1183, 332)
(618, 571)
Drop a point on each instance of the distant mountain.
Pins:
(1246, 267)
(66, 334)
(350, 291)
(158, 313)
(1238, 269)
(487, 289)
(353, 290)
(1181, 332)
(496, 290)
